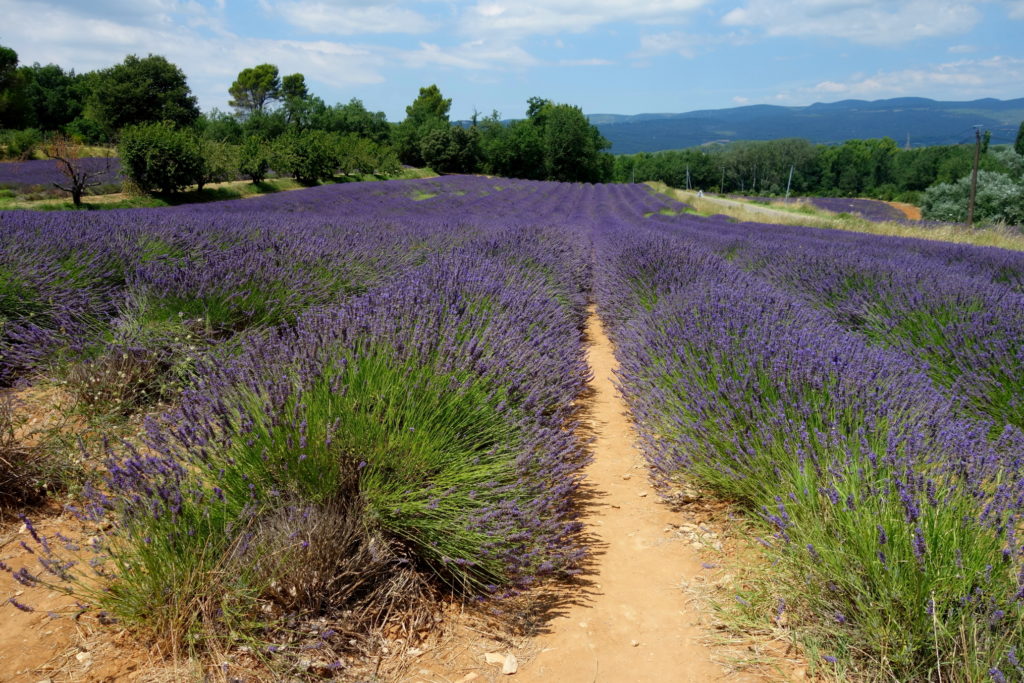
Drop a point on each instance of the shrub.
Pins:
(20, 144)
(309, 156)
(999, 199)
(157, 157)
(25, 476)
(219, 162)
(254, 157)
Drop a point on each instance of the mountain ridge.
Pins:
(926, 121)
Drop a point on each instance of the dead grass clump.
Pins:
(25, 477)
(121, 381)
(326, 559)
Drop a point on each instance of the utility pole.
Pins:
(687, 176)
(974, 177)
(721, 185)
(790, 181)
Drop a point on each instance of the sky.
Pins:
(606, 56)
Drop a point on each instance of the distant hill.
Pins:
(928, 122)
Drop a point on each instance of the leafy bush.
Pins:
(999, 199)
(309, 156)
(220, 162)
(157, 157)
(254, 156)
(20, 144)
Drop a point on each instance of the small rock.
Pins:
(414, 652)
(84, 658)
(627, 476)
(635, 643)
(425, 672)
(643, 494)
(510, 666)
(494, 658)
(471, 676)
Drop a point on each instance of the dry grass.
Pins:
(776, 214)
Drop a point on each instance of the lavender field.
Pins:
(39, 175)
(374, 389)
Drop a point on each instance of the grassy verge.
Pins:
(1005, 238)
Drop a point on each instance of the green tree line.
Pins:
(275, 119)
(933, 177)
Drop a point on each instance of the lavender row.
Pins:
(365, 444)
(962, 320)
(894, 520)
(70, 285)
(39, 175)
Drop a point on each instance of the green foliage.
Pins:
(12, 96)
(220, 126)
(53, 97)
(556, 142)
(254, 88)
(514, 151)
(157, 157)
(309, 156)
(20, 144)
(1018, 143)
(451, 149)
(999, 200)
(86, 130)
(142, 90)
(254, 158)
(220, 162)
(427, 113)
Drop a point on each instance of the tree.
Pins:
(12, 95)
(294, 86)
(53, 96)
(308, 155)
(157, 157)
(429, 105)
(142, 90)
(218, 162)
(79, 176)
(254, 88)
(254, 158)
(572, 146)
(428, 112)
(1018, 145)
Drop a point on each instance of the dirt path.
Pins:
(910, 211)
(634, 623)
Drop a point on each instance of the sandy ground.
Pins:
(634, 621)
(909, 210)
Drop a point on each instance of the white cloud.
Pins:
(1015, 8)
(964, 79)
(872, 22)
(348, 18)
(961, 49)
(518, 18)
(476, 55)
(50, 32)
(674, 42)
(740, 100)
(593, 61)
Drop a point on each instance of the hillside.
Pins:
(928, 122)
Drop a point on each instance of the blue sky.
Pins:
(607, 56)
